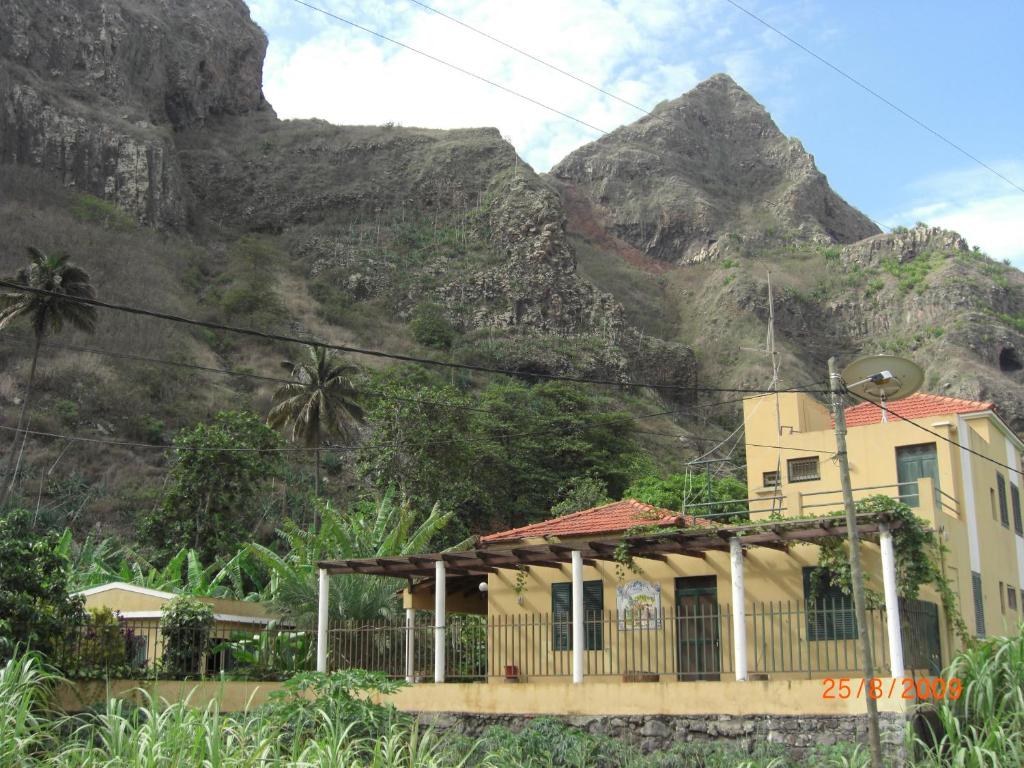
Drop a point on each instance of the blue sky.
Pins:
(956, 66)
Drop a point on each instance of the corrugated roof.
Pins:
(610, 518)
(917, 406)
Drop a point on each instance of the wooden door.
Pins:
(912, 463)
(697, 617)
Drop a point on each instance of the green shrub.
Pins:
(831, 253)
(36, 611)
(67, 411)
(186, 626)
(97, 211)
(102, 648)
(431, 327)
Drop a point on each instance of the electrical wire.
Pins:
(456, 67)
(937, 434)
(876, 94)
(376, 353)
(537, 59)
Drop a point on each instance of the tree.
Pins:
(220, 472)
(677, 492)
(384, 528)
(36, 610)
(320, 401)
(420, 441)
(581, 493)
(47, 314)
(501, 460)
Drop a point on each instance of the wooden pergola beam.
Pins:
(776, 534)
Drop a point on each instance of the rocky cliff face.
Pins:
(704, 171)
(92, 90)
(638, 256)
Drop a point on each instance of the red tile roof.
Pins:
(917, 406)
(611, 518)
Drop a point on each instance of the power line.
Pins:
(450, 65)
(372, 352)
(155, 446)
(226, 372)
(937, 434)
(876, 94)
(537, 59)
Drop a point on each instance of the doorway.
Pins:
(697, 617)
(912, 463)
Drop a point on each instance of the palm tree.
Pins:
(319, 401)
(47, 313)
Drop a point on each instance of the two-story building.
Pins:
(696, 601)
(955, 462)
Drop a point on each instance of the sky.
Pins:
(957, 67)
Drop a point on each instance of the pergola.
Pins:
(695, 541)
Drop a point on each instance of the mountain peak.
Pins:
(704, 169)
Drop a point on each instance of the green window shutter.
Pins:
(561, 615)
(979, 606)
(593, 611)
(1015, 498)
(830, 613)
(1004, 515)
(912, 463)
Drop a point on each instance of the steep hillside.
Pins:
(683, 215)
(135, 136)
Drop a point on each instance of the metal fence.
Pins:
(787, 639)
(145, 648)
(783, 639)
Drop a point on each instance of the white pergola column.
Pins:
(739, 619)
(578, 634)
(440, 591)
(321, 621)
(892, 602)
(410, 645)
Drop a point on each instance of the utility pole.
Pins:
(856, 573)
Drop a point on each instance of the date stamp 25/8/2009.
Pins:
(920, 688)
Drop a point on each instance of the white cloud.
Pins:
(643, 50)
(977, 204)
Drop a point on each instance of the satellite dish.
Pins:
(883, 378)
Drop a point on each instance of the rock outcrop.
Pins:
(706, 168)
(92, 90)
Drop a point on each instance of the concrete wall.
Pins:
(232, 696)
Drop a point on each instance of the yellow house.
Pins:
(704, 601)
(955, 462)
(140, 610)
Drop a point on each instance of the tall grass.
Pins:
(984, 728)
(24, 689)
(327, 721)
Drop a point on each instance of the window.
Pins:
(1011, 597)
(801, 470)
(1015, 498)
(1004, 515)
(829, 611)
(992, 501)
(561, 615)
(771, 479)
(979, 606)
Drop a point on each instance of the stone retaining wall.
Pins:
(659, 732)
